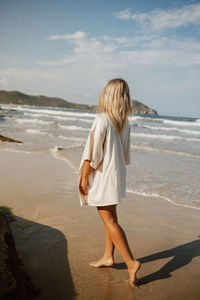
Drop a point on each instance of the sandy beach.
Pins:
(56, 238)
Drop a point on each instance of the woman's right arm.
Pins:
(84, 181)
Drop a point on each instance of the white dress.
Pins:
(108, 154)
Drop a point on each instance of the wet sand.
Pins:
(56, 238)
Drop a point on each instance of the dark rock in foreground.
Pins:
(7, 139)
(15, 283)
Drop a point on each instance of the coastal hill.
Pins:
(18, 98)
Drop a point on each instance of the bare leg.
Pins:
(108, 257)
(109, 246)
(118, 237)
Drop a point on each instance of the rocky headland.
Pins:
(18, 98)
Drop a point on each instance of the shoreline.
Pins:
(56, 238)
(57, 154)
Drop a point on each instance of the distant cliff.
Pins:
(15, 97)
(18, 98)
(142, 109)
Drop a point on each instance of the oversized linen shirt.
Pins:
(108, 154)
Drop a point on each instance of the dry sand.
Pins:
(56, 238)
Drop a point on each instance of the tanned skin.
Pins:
(114, 234)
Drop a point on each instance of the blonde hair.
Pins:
(115, 101)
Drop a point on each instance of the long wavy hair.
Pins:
(115, 101)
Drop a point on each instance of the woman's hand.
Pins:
(84, 184)
(84, 181)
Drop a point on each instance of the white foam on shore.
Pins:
(22, 120)
(63, 118)
(75, 119)
(165, 150)
(181, 123)
(18, 150)
(154, 195)
(73, 127)
(34, 115)
(187, 131)
(164, 137)
(35, 131)
(54, 152)
(52, 111)
(70, 138)
(194, 123)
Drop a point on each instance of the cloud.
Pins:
(125, 51)
(159, 19)
(124, 14)
(84, 48)
(75, 36)
(155, 67)
(127, 41)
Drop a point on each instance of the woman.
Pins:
(102, 171)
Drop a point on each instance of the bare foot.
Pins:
(132, 270)
(103, 262)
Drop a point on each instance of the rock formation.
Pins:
(15, 283)
(18, 98)
(7, 139)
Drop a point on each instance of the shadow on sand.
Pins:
(182, 255)
(43, 250)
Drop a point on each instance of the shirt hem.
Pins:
(100, 204)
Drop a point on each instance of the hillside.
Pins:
(18, 98)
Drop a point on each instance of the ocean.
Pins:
(165, 151)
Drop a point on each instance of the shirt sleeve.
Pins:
(94, 148)
(127, 153)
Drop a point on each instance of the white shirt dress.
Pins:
(108, 154)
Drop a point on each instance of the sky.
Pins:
(71, 49)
